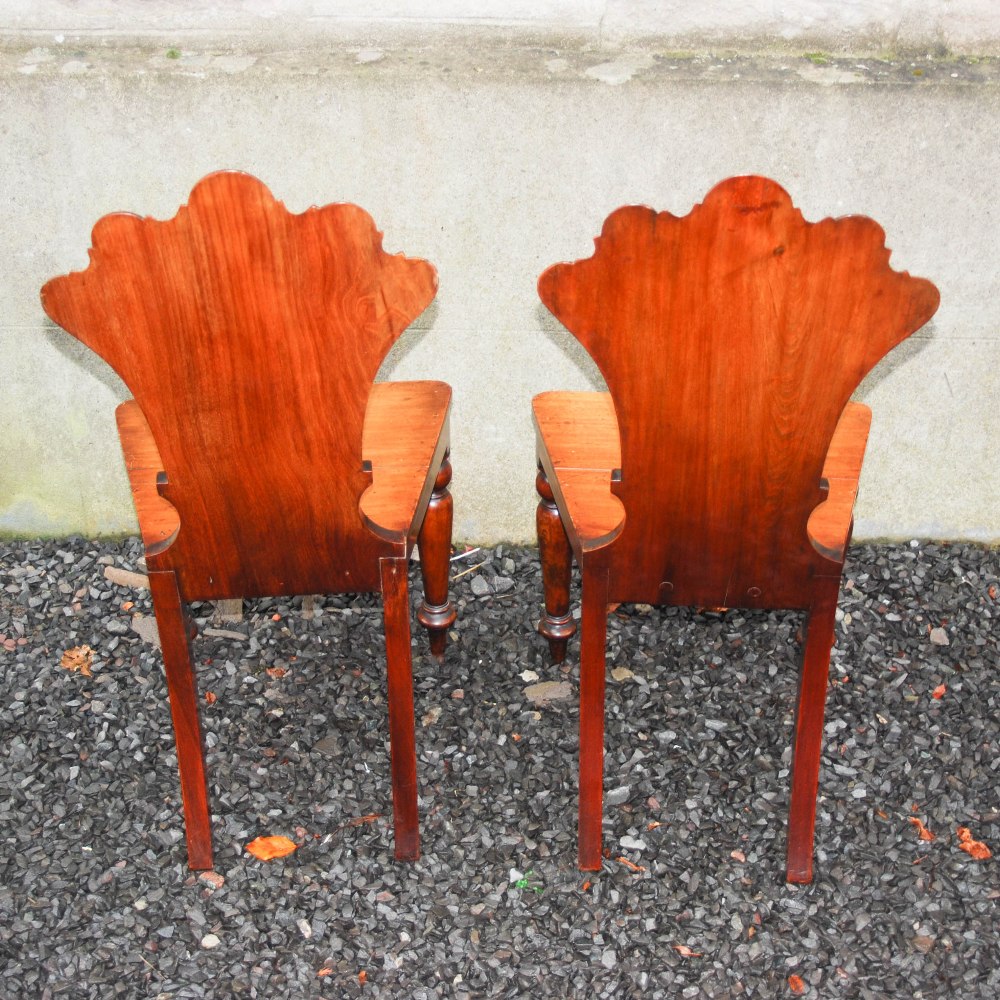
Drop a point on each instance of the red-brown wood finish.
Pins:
(557, 623)
(262, 459)
(436, 613)
(721, 467)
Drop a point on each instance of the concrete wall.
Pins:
(493, 149)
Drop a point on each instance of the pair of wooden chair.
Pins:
(720, 468)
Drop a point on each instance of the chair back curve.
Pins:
(250, 338)
(731, 340)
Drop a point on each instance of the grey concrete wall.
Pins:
(494, 153)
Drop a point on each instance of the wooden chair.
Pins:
(262, 459)
(721, 467)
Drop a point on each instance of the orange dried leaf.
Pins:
(976, 849)
(939, 691)
(276, 671)
(922, 830)
(796, 984)
(737, 856)
(276, 617)
(685, 952)
(210, 698)
(630, 864)
(652, 825)
(325, 971)
(79, 658)
(362, 977)
(128, 605)
(267, 848)
(362, 820)
(586, 886)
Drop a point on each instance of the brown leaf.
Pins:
(796, 984)
(685, 952)
(631, 865)
(268, 848)
(362, 977)
(922, 830)
(78, 658)
(653, 824)
(275, 671)
(325, 971)
(737, 856)
(363, 820)
(976, 849)
(210, 698)
(939, 691)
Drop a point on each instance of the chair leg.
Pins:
(557, 562)
(402, 748)
(174, 630)
(593, 639)
(437, 613)
(808, 746)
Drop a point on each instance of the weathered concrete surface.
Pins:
(493, 161)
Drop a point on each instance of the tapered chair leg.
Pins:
(557, 562)
(593, 638)
(437, 613)
(808, 745)
(402, 747)
(172, 625)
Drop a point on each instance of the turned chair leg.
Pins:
(437, 613)
(402, 748)
(557, 562)
(808, 746)
(175, 633)
(593, 639)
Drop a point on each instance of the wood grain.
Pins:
(731, 340)
(262, 459)
(722, 466)
(250, 338)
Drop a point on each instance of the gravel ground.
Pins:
(96, 901)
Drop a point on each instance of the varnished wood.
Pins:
(436, 612)
(721, 467)
(262, 459)
(402, 749)
(173, 628)
(557, 623)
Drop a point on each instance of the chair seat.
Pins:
(402, 437)
(579, 447)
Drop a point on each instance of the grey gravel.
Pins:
(96, 900)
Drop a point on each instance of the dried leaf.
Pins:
(939, 691)
(653, 824)
(276, 671)
(737, 856)
(631, 865)
(976, 849)
(685, 952)
(79, 658)
(586, 886)
(210, 698)
(363, 820)
(325, 971)
(796, 984)
(268, 848)
(922, 830)
(362, 977)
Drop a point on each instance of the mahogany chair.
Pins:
(721, 467)
(262, 459)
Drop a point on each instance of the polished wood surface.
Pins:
(262, 459)
(249, 337)
(722, 466)
(731, 340)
